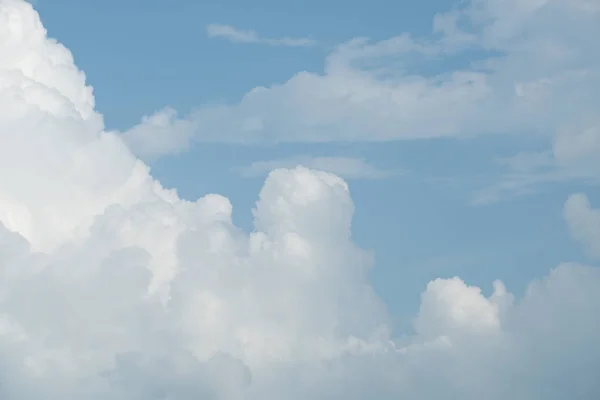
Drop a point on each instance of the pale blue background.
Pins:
(143, 55)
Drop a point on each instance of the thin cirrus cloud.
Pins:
(574, 156)
(345, 167)
(113, 287)
(236, 35)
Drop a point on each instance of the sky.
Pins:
(238, 200)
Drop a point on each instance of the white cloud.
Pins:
(579, 150)
(248, 36)
(584, 222)
(536, 70)
(114, 288)
(345, 167)
(159, 134)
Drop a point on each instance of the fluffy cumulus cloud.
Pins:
(113, 287)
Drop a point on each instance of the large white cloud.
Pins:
(113, 287)
(534, 69)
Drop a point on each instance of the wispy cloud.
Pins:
(249, 36)
(572, 158)
(346, 167)
(525, 81)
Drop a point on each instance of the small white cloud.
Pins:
(159, 134)
(346, 167)
(249, 36)
(584, 223)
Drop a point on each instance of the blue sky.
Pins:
(421, 223)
